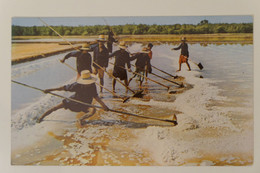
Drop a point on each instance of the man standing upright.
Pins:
(121, 59)
(149, 47)
(184, 53)
(100, 58)
(150, 54)
(83, 59)
(110, 41)
(142, 62)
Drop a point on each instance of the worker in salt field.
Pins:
(100, 57)
(150, 54)
(110, 41)
(142, 63)
(122, 58)
(85, 90)
(149, 47)
(184, 53)
(83, 60)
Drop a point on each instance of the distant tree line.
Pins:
(204, 27)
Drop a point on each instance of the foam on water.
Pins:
(27, 116)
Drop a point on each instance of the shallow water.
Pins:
(226, 90)
(230, 65)
(43, 73)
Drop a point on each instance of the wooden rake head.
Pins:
(173, 120)
(138, 94)
(200, 66)
(126, 99)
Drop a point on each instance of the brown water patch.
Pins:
(64, 139)
(106, 150)
(221, 160)
(115, 147)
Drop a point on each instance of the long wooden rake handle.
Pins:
(146, 77)
(93, 61)
(115, 78)
(181, 85)
(162, 77)
(198, 64)
(163, 71)
(140, 116)
(152, 80)
(90, 105)
(55, 94)
(124, 99)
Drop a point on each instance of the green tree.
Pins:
(152, 30)
(220, 29)
(203, 22)
(128, 29)
(67, 32)
(17, 30)
(117, 29)
(171, 31)
(85, 33)
(177, 26)
(140, 29)
(204, 27)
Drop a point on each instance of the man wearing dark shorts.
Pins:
(150, 54)
(184, 53)
(85, 90)
(142, 63)
(100, 57)
(83, 61)
(121, 59)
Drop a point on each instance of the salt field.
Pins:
(214, 113)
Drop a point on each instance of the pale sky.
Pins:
(159, 20)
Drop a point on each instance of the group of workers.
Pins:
(85, 88)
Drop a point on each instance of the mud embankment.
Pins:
(33, 54)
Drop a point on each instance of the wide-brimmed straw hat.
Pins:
(85, 47)
(183, 39)
(122, 45)
(145, 50)
(86, 78)
(101, 38)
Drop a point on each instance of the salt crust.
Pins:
(177, 144)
